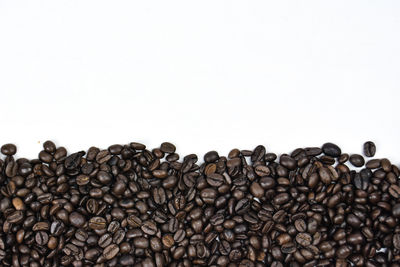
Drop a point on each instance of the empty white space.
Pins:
(205, 75)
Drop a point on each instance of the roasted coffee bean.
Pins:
(215, 179)
(179, 235)
(15, 217)
(331, 150)
(211, 156)
(105, 240)
(167, 147)
(41, 238)
(258, 153)
(130, 206)
(97, 223)
(141, 242)
(110, 252)
(149, 227)
(8, 149)
(369, 149)
(357, 160)
(76, 219)
(304, 239)
(134, 221)
(168, 241)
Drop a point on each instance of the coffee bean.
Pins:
(105, 240)
(304, 239)
(369, 149)
(242, 206)
(331, 150)
(211, 156)
(168, 241)
(281, 198)
(126, 260)
(396, 241)
(134, 221)
(262, 170)
(8, 149)
(396, 210)
(41, 226)
(208, 195)
(394, 191)
(110, 252)
(15, 217)
(148, 227)
(217, 219)
(215, 179)
(72, 161)
(82, 179)
(179, 235)
(141, 242)
(41, 238)
(300, 225)
(97, 223)
(76, 219)
(288, 162)
(167, 147)
(56, 228)
(258, 153)
(357, 160)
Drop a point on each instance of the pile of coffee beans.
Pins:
(132, 206)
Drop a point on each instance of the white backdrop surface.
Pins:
(205, 75)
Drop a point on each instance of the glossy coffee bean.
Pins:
(369, 149)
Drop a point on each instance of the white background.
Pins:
(202, 74)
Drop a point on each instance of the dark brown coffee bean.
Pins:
(148, 227)
(288, 162)
(258, 153)
(141, 242)
(369, 149)
(262, 170)
(15, 217)
(394, 191)
(357, 160)
(72, 161)
(300, 225)
(76, 219)
(215, 179)
(105, 240)
(179, 235)
(41, 238)
(242, 206)
(211, 156)
(82, 179)
(217, 219)
(396, 210)
(92, 206)
(281, 199)
(331, 150)
(97, 223)
(110, 252)
(304, 239)
(41, 226)
(8, 149)
(134, 221)
(167, 147)
(208, 195)
(396, 241)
